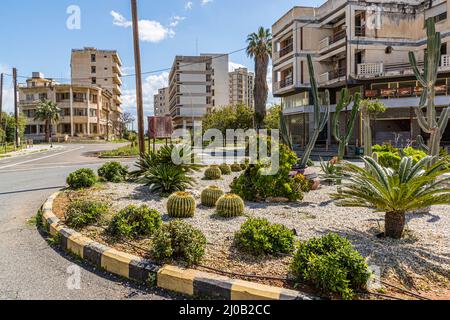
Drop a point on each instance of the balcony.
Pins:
(370, 69)
(328, 41)
(360, 31)
(284, 51)
(117, 80)
(404, 92)
(332, 76)
(284, 83)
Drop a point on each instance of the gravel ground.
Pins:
(419, 260)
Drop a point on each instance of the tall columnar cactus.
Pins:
(210, 196)
(286, 137)
(181, 205)
(429, 121)
(344, 102)
(369, 108)
(230, 205)
(320, 118)
(213, 173)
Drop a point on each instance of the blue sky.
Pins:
(35, 37)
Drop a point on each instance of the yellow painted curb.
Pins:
(177, 279)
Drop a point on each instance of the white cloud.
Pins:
(205, 2)
(150, 87)
(175, 20)
(233, 66)
(188, 5)
(149, 30)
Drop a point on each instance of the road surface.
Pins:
(29, 267)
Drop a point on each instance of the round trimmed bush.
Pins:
(230, 206)
(135, 222)
(82, 178)
(236, 167)
(178, 240)
(82, 213)
(113, 172)
(225, 169)
(210, 196)
(213, 173)
(181, 205)
(260, 237)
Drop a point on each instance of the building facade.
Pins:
(161, 103)
(242, 83)
(363, 46)
(86, 110)
(197, 84)
(102, 68)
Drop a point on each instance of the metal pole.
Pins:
(137, 61)
(1, 97)
(16, 110)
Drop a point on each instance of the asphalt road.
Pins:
(29, 267)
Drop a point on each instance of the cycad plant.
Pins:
(395, 192)
(166, 179)
(49, 112)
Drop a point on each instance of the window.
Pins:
(94, 80)
(93, 69)
(42, 96)
(440, 17)
(30, 97)
(62, 96)
(93, 58)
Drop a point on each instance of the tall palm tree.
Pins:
(49, 112)
(260, 49)
(395, 192)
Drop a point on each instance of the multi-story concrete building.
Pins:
(101, 68)
(86, 110)
(361, 45)
(197, 84)
(161, 102)
(242, 83)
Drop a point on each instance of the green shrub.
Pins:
(178, 240)
(135, 222)
(391, 157)
(82, 213)
(252, 185)
(82, 178)
(113, 172)
(259, 237)
(166, 179)
(332, 264)
(303, 183)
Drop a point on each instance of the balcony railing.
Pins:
(332, 75)
(360, 31)
(328, 41)
(286, 82)
(372, 69)
(286, 50)
(403, 92)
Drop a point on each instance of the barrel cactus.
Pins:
(210, 196)
(181, 205)
(225, 169)
(213, 173)
(244, 166)
(230, 205)
(236, 167)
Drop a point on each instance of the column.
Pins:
(72, 131)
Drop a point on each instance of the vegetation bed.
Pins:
(419, 262)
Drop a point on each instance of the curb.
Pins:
(185, 281)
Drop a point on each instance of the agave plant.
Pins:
(166, 179)
(183, 156)
(330, 169)
(395, 192)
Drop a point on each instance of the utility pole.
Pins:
(16, 110)
(1, 97)
(137, 62)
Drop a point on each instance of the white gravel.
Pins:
(422, 256)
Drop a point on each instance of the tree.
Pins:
(9, 126)
(126, 119)
(395, 192)
(238, 117)
(272, 120)
(49, 112)
(259, 48)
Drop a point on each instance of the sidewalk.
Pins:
(30, 150)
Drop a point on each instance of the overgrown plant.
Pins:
(369, 109)
(320, 118)
(395, 192)
(429, 121)
(343, 138)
